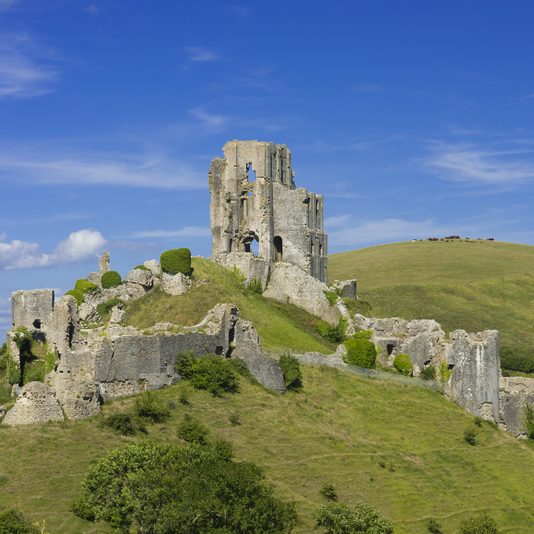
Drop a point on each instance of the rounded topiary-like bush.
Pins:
(142, 268)
(85, 286)
(361, 351)
(77, 294)
(111, 279)
(403, 364)
(176, 260)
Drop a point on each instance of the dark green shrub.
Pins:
(13, 522)
(149, 407)
(176, 260)
(481, 524)
(85, 286)
(77, 294)
(121, 423)
(104, 308)
(528, 412)
(403, 364)
(192, 431)
(517, 359)
(328, 492)
(336, 333)
(171, 489)
(210, 372)
(361, 351)
(111, 279)
(23, 340)
(337, 518)
(470, 435)
(477, 421)
(428, 373)
(290, 368)
(184, 397)
(433, 527)
(234, 419)
(142, 268)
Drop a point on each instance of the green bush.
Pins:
(85, 286)
(121, 423)
(444, 372)
(290, 368)
(528, 412)
(255, 286)
(337, 518)
(433, 527)
(361, 351)
(428, 373)
(210, 372)
(111, 279)
(470, 435)
(331, 296)
(234, 419)
(328, 492)
(516, 359)
(13, 522)
(176, 260)
(481, 524)
(336, 333)
(142, 268)
(77, 294)
(403, 364)
(149, 407)
(23, 340)
(171, 489)
(104, 308)
(192, 431)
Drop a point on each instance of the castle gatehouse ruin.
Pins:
(258, 215)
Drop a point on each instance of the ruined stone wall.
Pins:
(32, 309)
(254, 199)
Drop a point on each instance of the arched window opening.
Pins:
(251, 173)
(278, 247)
(320, 249)
(251, 244)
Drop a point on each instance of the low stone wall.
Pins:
(515, 392)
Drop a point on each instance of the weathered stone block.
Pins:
(32, 309)
(175, 284)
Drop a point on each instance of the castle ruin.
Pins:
(258, 215)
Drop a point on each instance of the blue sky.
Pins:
(414, 118)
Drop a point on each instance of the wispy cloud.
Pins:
(24, 72)
(187, 231)
(200, 54)
(212, 121)
(368, 88)
(131, 170)
(349, 232)
(240, 10)
(92, 9)
(482, 166)
(7, 4)
(78, 246)
(58, 217)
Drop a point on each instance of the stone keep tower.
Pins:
(259, 217)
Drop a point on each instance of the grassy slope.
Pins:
(471, 285)
(339, 429)
(281, 326)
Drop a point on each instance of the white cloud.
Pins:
(137, 170)
(24, 72)
(212, 121)
(187, 231)
(93, 9)
(472, 164)
(352, 233)
(6, 4)
(200, 54)
(78, 246)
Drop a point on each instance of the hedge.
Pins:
(111, 279)
(176, 260)
(361, 350)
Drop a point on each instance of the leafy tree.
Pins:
(338, 518)
(149, 407)
(13, 522)
(191, 490)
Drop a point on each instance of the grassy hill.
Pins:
(473, 285)
(281, 326)
(399, 447)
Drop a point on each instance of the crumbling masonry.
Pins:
(255, 203)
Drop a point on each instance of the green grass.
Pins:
(280, 326)
(399, 447)
(473, 285)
